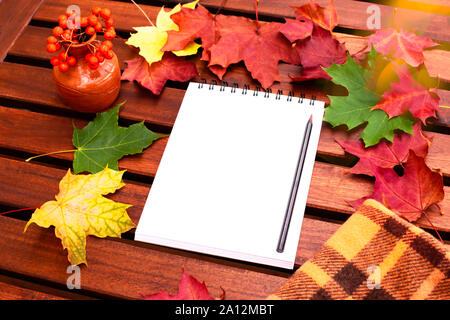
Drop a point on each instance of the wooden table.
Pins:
(33, 120)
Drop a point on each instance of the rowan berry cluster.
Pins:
(73, 29)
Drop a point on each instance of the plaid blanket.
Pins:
(373, 255)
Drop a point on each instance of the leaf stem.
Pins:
(440, 209)
(143, 12)
(429, 221)
(256, 13)
(50, 153)
(222, 4)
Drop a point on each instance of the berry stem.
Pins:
(50, 153)
(67, 50)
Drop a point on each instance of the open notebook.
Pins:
(224, 181)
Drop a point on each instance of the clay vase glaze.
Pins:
(84, 89)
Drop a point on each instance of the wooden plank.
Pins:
(352, 14)
(12, 292)
(14, 16)
(325, 177)
(19, 289)
(119, 269)
(432, 6)
(29, 46)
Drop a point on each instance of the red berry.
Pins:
(54, 61)
(109, 35)
(92, 20)
(67, 35)
(99, 56)
(63, 56)
(103, 49)
(62, 18)
(58, 46)
(92, 59)
(90, 30)
(109, 54)
(63, 66)
(63, 24)
(71, 61)
(51, 47)
(105, 13)
(88, 56)
(98, 27)
(108, 43)
(96, 10)
(57, 31)
(84, 22)
(52, 39)
(109, 22)
(93, 65)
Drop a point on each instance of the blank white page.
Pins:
(223, 183)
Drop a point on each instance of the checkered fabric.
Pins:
(374, 255)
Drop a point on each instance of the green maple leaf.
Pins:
(103, 142)
(354, 110)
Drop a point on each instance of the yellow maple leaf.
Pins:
(81, 210)
(150, 40)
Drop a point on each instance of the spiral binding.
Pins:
(266, 93)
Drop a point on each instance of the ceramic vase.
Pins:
(84, 89)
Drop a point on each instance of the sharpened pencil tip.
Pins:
(310, 118)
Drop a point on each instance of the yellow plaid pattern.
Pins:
(373, 255)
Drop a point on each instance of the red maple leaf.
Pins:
(408, 94)
(387, 154)
(310, 74)
(409, 195)
(192, 24)
(260, 45)
(189, 288)
(295, 30)
(155, 76)
(231, 39)
(401, 44)
(318, 50)
(326, 17)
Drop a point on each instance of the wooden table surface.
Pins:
(33, 120)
